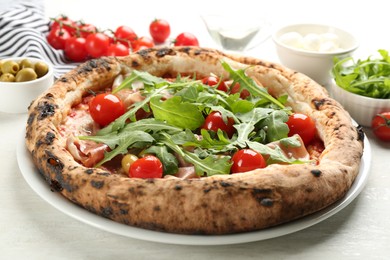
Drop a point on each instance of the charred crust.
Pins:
(157, 208)
(135, 64)
(49, 138)
(225, 184)
(316, 173)
(63, 79)
(360, 133)
(103, 174)
(45, 109)
(54, 163)
(123, 211)
(97, 184)
(318, 103)
(164, 51)
(31, 118)
(88, 171)
(267, 202)
(178, 187)
(106, 212)
(55, 186)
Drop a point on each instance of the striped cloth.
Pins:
(23, 30)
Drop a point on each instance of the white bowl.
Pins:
(316, 64)
(362, 109)
(15, 97)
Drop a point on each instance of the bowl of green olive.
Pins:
(22, 80)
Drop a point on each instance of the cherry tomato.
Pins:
(213, 80)
(117, 49)
(97, 44)
(86, 29)
(186, 39)
(236, 89)
(75, 49)
(65, 23)
(160, 30)
(105, 108)
(125, 35)
(381, 126)
(247, 160)
(214, 121)
(143, 42)
(302, 125)
(57, 38)
(146, 167)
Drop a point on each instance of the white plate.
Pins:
(36, 182)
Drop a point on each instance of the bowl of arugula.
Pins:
(362, 86)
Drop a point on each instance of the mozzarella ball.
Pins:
(292, 39)
(312, 42)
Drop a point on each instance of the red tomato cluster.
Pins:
(81, 41)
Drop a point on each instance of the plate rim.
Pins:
(55, 199)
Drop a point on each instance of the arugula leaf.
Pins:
(249, 84)
(177, 113)
(276, 125)
(210, 165)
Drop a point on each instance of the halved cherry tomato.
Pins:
(302, 125)
(125, 35)
(186, 39)
(105, 108)
(214, 121)
(160, 30)
(57, 38)
(236, 89)
(146, 167)
(381, 126)
(97, 44)
(75, 49)
(247, 160)
(117, 49)
(213, 80)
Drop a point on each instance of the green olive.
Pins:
(1, 62)
(7, 77)
(26, 74)
(10, 66)
(25, 63)
(41, 68)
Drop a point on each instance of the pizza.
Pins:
(202, 142)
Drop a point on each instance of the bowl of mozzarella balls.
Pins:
(311, 48)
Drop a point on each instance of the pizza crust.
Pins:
(220, 204)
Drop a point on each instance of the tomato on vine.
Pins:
(160, 30)
(75, 49)
(143, 42)
(97, 44)
(247, 160)
(302, 125)
(57, 38)
(117, 49)
(105, 108)
(146, 167)
(125, 35)
(186, 39)
(381, 126)
(64, 22)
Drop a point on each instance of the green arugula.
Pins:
(370, 77)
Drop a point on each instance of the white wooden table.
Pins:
(30, 228)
